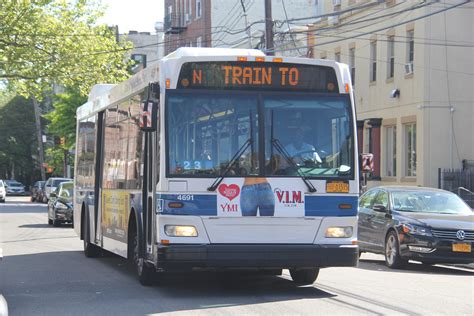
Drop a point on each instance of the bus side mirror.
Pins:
(149, 116)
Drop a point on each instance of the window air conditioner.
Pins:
(408, 68)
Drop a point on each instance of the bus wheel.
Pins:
(304, 276)
(91, 250)
(145, 272)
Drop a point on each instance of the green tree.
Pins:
(62, 126)
(46, 42)
(17, 142)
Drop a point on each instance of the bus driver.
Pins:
(300, 151)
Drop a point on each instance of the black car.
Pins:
(60, 204)
(416, 223)
(35, 191)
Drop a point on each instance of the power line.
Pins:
(388, 27)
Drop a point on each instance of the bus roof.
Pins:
(103, 95)
(208, 51)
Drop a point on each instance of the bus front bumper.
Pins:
(260, 256)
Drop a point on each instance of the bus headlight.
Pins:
(180, 231)
(339, 232)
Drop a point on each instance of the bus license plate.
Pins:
(337, 187)
(461, 247)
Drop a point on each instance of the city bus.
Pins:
(221, 159)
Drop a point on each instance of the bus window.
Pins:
(314, 133)
(206, 130)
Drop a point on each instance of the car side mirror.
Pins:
(379, 208)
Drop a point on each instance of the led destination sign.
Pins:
(257, 75)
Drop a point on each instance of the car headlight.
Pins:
(416, 230)
(61, 206)
(180, 231)
(339, 232)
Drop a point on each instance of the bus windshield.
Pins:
(290, 134)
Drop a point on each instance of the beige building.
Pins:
(412, 63)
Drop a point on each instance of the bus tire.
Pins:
(90, 250)
(145, 272)
(304, 276)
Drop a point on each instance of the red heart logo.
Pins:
(229, 191)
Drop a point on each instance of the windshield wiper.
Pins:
(284, 153)
(230, 164)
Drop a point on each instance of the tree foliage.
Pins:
(62, 120)
(17, 142)
(46, 42)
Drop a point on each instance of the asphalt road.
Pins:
(44, 272)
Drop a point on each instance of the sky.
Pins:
(135, 15)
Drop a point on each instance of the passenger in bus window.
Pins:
(300, 151)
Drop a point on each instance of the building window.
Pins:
(199, 41)
(198, 9)
(352, 64)
(390, 57)
(410, 146)
(410, 46)
(391, 151)
(337, 57)
(373, 61)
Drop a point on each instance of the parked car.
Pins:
(60, 204)
(41, 194)
(14, 187)
(415, 223)
(35, 190)
(51, 185)
(3, 191)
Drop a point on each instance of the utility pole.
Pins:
(249, 36)
(269, 28)
(40, 137)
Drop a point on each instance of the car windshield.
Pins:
(207, 129)
(15, 185)
(66, 190)
(429, 202)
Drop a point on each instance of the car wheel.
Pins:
(304, 276)
(145, 272)
(50, 221)
(56, 223)
(393, 259)
(33, 199)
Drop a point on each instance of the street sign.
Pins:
(367, 162)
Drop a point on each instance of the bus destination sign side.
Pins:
(257, 75)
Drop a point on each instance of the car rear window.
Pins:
(58, 181)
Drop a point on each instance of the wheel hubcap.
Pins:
(390, 251)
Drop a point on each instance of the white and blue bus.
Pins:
(221, 159)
